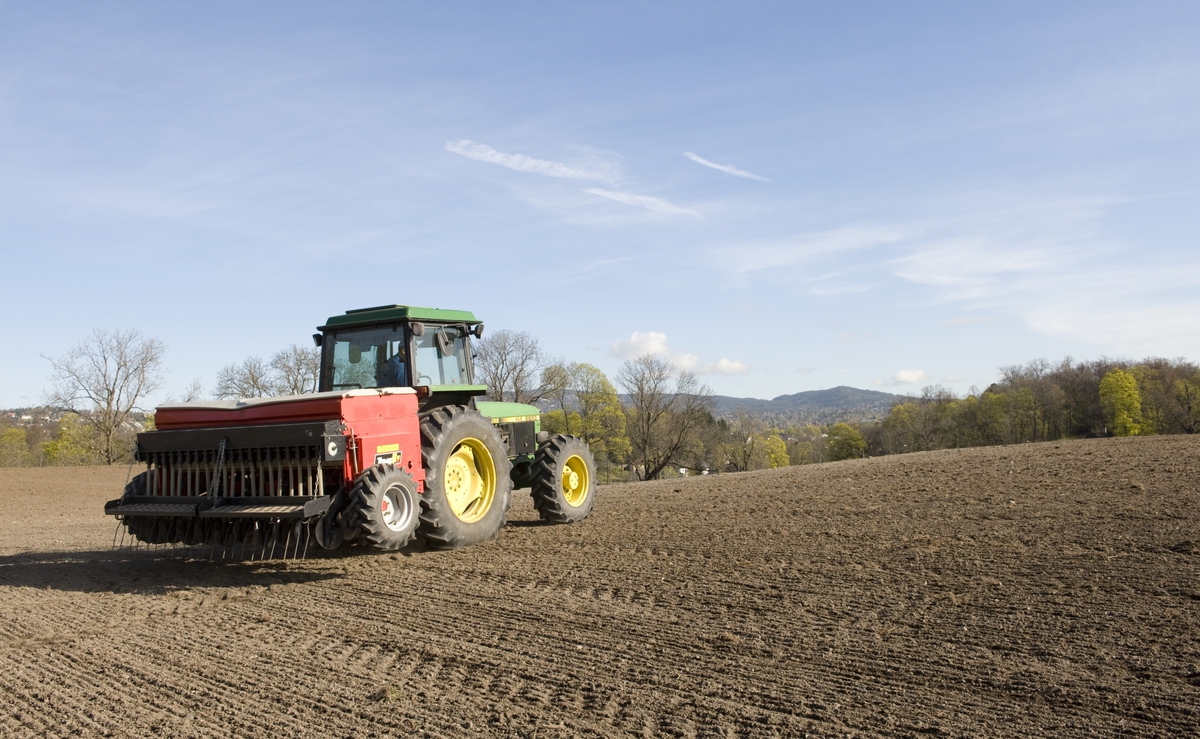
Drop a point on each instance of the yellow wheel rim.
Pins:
(470, 480)
(575, 480)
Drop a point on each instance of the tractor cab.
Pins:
(426, 349)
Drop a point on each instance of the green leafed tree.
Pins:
(585, 404)
(777, 454)
(1185, 394)
(845, 442)
(14, 448)
(76, 443)
(1122, 402)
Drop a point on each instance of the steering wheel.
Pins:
(351, 385)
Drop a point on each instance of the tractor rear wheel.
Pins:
(383, 505)
(564, 480)
(467, 482)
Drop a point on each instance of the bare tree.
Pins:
(297, 370)
(558, 380)
(103, 379)
(510, 363)
(292, 371)
(746, 443)
(194, 391)
(250, 379)
(667, 407)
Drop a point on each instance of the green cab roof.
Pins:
(391, 313)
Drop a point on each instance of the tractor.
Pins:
(396, 451)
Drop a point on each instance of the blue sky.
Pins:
(780, 197)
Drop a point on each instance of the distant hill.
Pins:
(819, 407)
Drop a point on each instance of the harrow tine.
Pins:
(258, 542)
(248, 540)
(274, 537)
(214, 536)
(297, 537)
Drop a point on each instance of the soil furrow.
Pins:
(1047, 589)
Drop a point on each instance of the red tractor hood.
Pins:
(285, 409)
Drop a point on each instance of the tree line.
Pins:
(651, 420)
(94, 411)
(1040, 401)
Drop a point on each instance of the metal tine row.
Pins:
(251, 472)
(235, 539)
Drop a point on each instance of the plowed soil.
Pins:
(1041, 590)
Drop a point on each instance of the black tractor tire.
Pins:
(467, 483)
(564, 480)
(383, 506)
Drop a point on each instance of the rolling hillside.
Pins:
(820, 407)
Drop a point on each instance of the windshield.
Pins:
(441, 356)
(367, 358)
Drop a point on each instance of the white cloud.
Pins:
(522, 163)
(641, 343)
(905, 377)
(726, 168)
(644, 201)
(724, 366)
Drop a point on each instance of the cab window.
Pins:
(367, 358)
(441, 356)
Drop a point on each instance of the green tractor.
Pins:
(395, 451)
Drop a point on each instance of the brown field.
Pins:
(1042, 590)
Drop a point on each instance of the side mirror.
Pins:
(477, 330)
(355, 353)
(318, 339)
(418, 329)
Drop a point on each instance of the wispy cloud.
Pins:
(657, 205)
(641, 343)
(904, 377)
(771, 255)
(608, 262)
(1047, 263)
(521, 163)
(726, 168)
(1043, 260)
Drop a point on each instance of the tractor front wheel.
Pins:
(467, 482)
(564, 480)
(383, 506)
